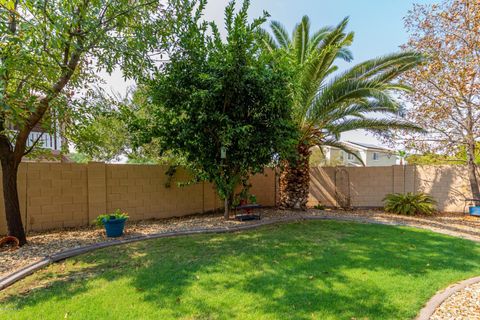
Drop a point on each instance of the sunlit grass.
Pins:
(310, 270)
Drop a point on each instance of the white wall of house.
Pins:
(45, 140)
(379, 159)
(371, 158)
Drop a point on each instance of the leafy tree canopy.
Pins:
(219, 95)
(51, 50)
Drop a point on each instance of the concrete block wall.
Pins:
(57, 195)
(447, 184)
(367, 186)
(54, 195)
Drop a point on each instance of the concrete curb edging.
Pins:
(435, 302)
(425, 313)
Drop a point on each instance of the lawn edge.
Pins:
(432, 305)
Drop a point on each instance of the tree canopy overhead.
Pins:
(222, 105)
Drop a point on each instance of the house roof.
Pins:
(367, 146)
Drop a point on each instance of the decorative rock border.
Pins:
(425, 313)
(435, 302)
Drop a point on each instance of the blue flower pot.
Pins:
(474, 211)
(114, 227)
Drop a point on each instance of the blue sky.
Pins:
(378, 27)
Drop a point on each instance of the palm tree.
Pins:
(327, 104)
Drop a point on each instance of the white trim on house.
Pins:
(371, 155)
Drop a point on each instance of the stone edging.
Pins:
(435, 302)
(425, 314)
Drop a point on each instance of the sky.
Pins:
(378, 27)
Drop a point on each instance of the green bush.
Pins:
(410, 204)
(117, 214)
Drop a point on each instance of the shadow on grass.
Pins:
(303, 270)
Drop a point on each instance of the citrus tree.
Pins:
(222, 105)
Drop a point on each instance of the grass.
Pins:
(309, 270)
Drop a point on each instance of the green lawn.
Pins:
(310, 270)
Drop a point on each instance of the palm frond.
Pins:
(301, 37)
(266, 40)
(341, 146)
(396, 61)
(281, 34)
(341, 93)
(326, 106)
(345, 54)
(318, 37)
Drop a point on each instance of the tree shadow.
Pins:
(316, 269)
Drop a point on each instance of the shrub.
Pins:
(319, 206)
(117, 214)
(410, 204)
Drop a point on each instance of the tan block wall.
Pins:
(447, 184)
(367, 186)
(55, 195)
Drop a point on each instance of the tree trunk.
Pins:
(472, 173)
(10, 195)
(295, 181)
(226, 213)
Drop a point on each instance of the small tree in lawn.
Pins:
(49, 50)
(446, 96)
(223, 106)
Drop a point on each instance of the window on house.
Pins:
(375, 156)
(350, 156)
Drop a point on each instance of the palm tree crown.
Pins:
(325, 105)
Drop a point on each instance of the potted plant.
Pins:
(114, 223)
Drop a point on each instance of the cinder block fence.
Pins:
(55, 195)
(367, 186)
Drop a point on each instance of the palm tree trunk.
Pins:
(295, 180)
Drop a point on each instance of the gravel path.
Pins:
(462, 305)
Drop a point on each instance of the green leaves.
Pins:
(50, 52)
(9, 4)
(218, 94)
(410, 204)
(327, 105)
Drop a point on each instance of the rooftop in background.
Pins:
(367, 146)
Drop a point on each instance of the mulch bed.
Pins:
(462, 305)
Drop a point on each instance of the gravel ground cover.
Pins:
(464, 304)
